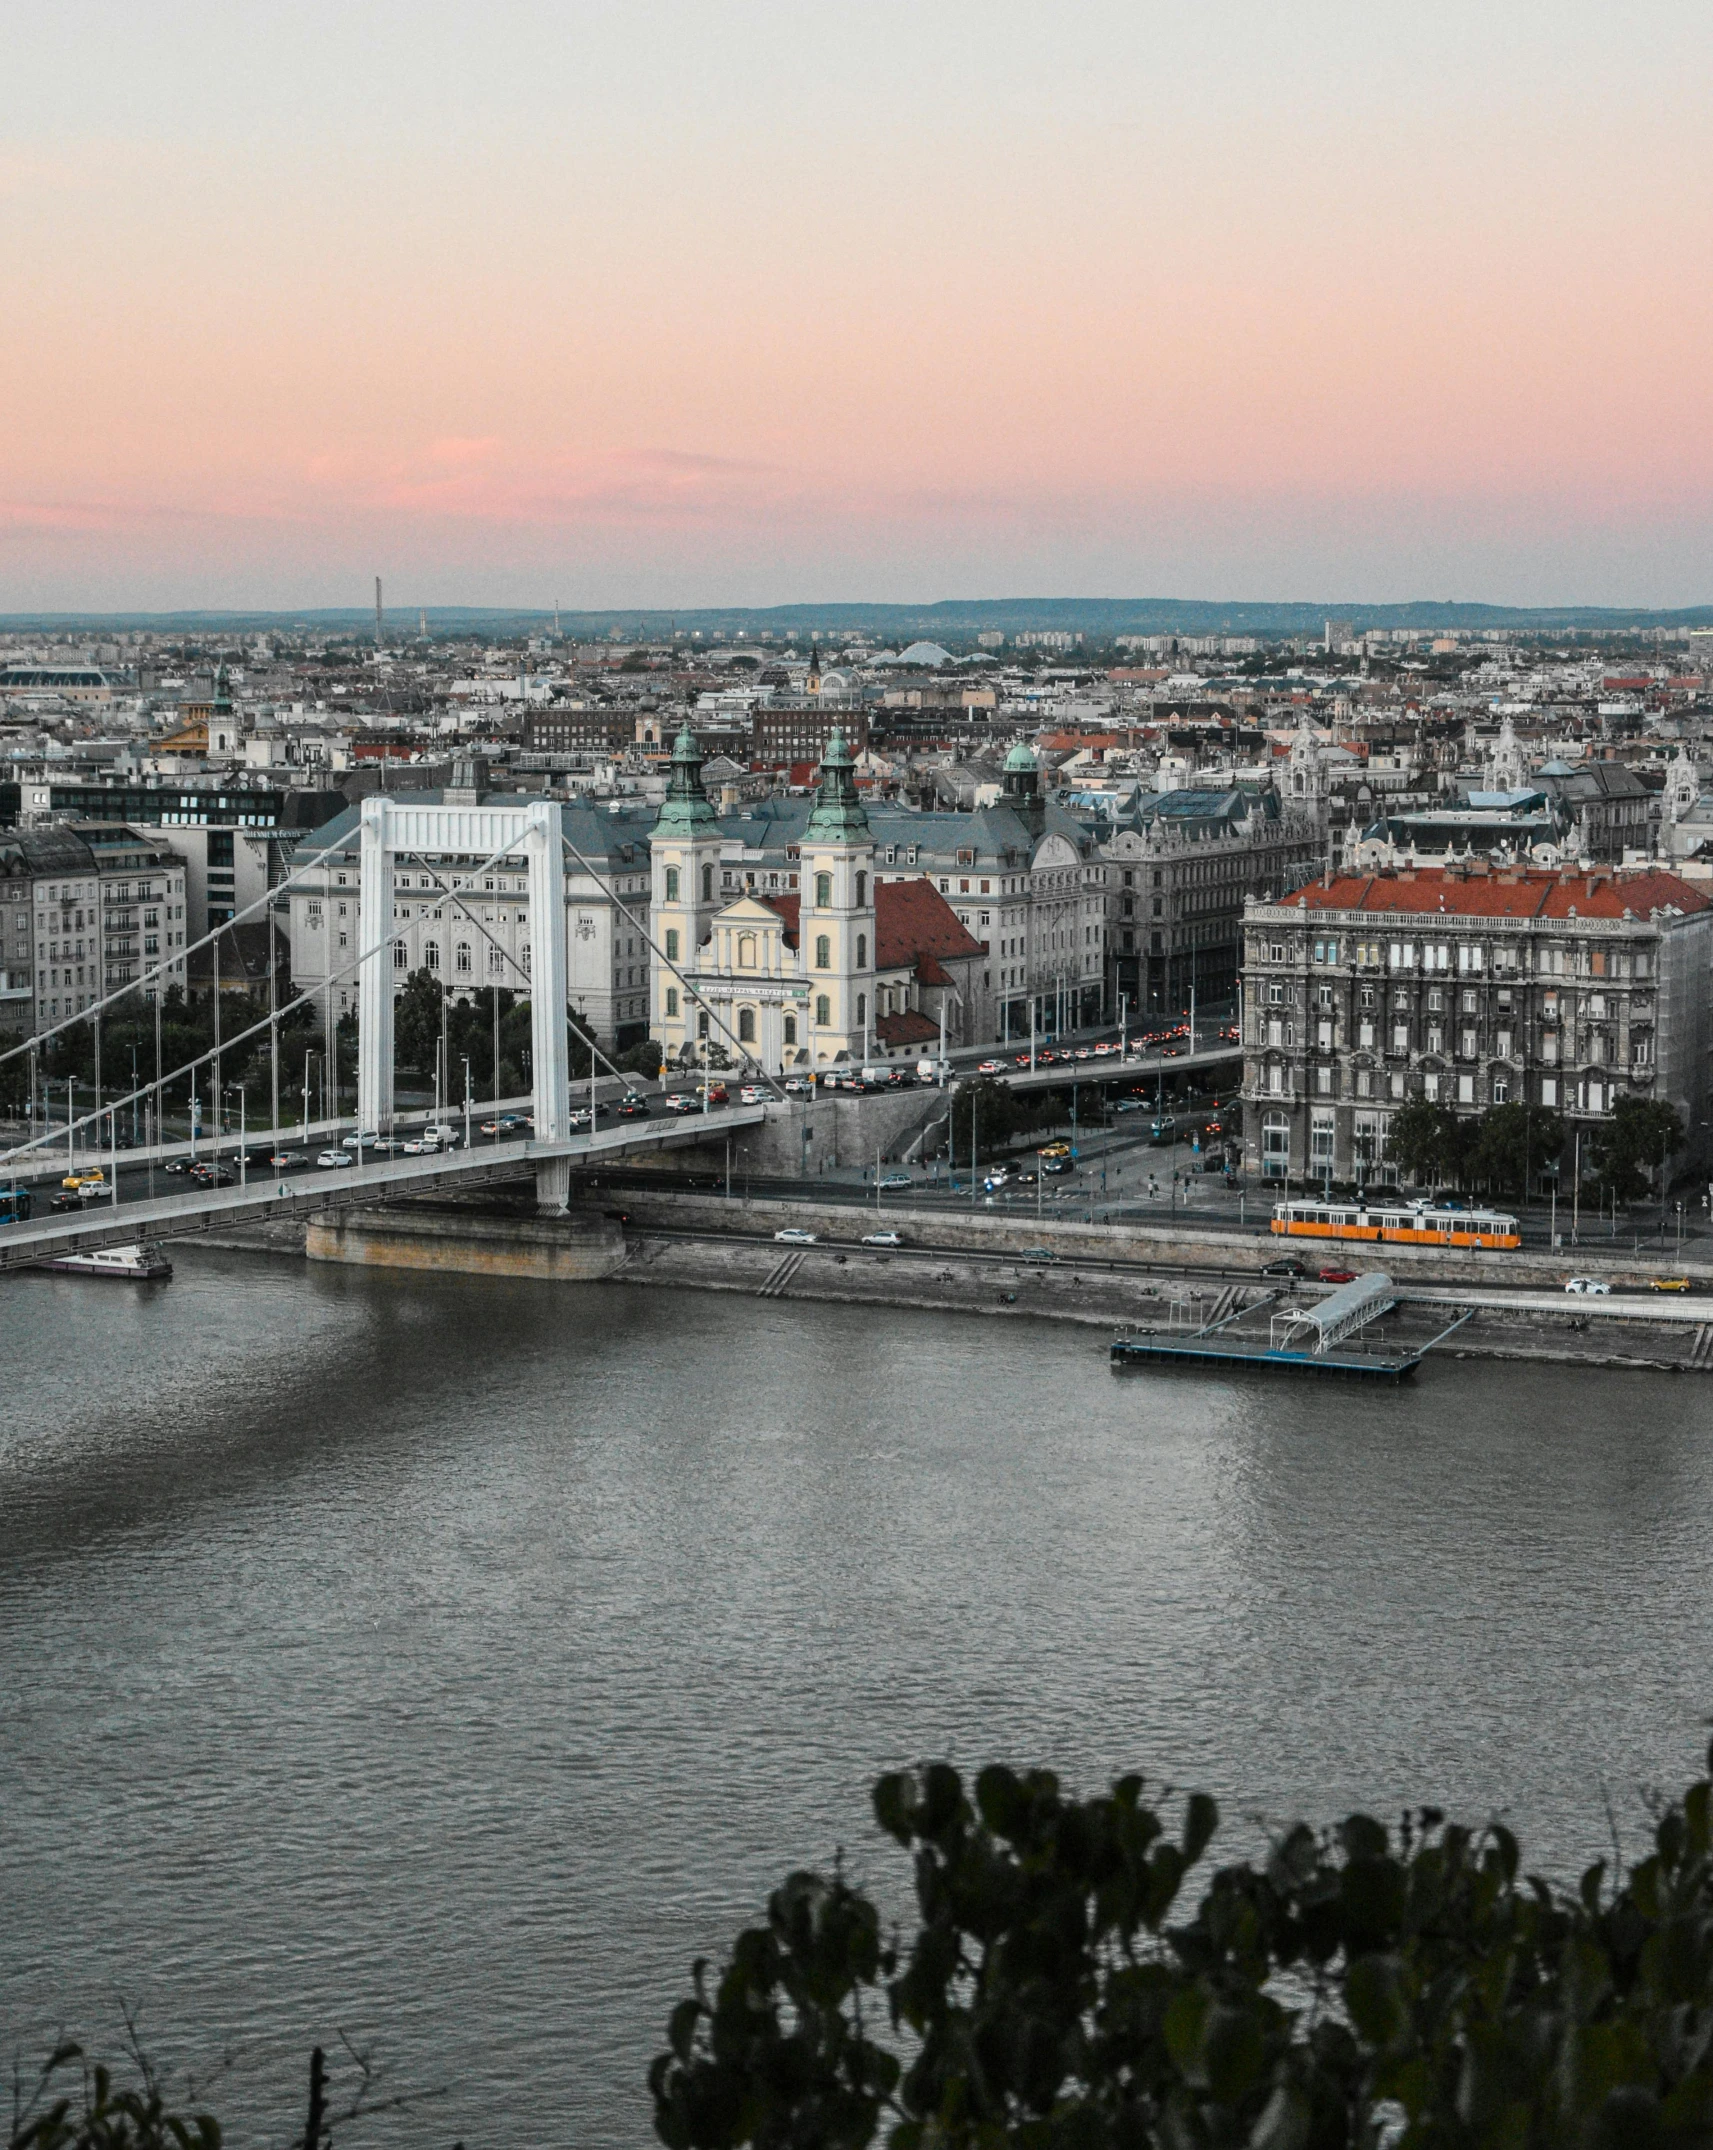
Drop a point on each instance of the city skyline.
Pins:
(730, 307)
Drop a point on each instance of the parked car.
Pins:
(883, 1239)
(1588, 1287)
(1286, 1266)
(330, 1160)
(794, 1236)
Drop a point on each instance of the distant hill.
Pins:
(956, 619)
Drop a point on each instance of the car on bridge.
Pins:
(94, 1178)
(632, 1106)
(995, 1181)
(1588, 1287)
(993, 1067)
(282, 1160)
(212, 1175)
(1037, 1254)
(883, 1239)
(794, 1235)
(1668, 1284)
(752, 1094)
(330, 1160)
(683, 1101)
(507, 1123)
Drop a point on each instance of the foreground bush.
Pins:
(1060, 1992)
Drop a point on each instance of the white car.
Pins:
(330, 1159)
(992, 1067)
(752, 1094)
(883, 1239)
(799, 1086)
(1589, 1287)
(795, 1236)
(365, 1141)
(894, 1180)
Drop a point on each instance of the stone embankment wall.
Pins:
(462, 1240)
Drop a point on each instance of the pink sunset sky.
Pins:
(740, 302)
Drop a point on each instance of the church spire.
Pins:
(838, 810)
(686, 808)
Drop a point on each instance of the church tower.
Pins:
(836, 913)
(685, 860)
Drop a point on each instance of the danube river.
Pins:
(445, 1663)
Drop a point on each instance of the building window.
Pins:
(862, 1009)
(463, 959)
(707, 884)
(672, 1001)
(791, 1030)
(746, 1026)
(823, 891)
(862, 890)
(672, 944)
(672, 884)
(862, 951)
(399, 958)
(823, 1009)
(823, 953)
(1501, 1090)
(431, 955)
(496, 962)
(746, 951)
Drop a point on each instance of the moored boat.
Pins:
(144, 1262)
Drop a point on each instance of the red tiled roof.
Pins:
(909, 1027)
(912, 920)
(1432, 891)
(786, 906)
(914, 924)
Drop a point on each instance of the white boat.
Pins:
(143, 1263)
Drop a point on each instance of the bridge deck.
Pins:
(106, 1224)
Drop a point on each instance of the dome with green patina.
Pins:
(838, 810)
(1020, 761)
(686, 807)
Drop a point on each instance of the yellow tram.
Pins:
(1413, 1223)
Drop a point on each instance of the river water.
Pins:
(445, 1663)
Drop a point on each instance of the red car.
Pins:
(1338, 1276)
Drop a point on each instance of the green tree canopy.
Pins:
(1061, 1990)
(1634, 1144)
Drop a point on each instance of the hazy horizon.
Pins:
(712, 304)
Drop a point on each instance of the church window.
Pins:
(823, 890)
(862, 890)
(791, 1030)
(823, 1008)
(672, 944)
(823, 952)
(746, 951)
(707, 884)
(862, 951)
(746, 1026)
(862, 1007)
(672, 884)
(671, 1001)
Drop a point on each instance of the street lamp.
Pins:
(466, 1059)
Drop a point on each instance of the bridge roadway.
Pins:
(123, 1224)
